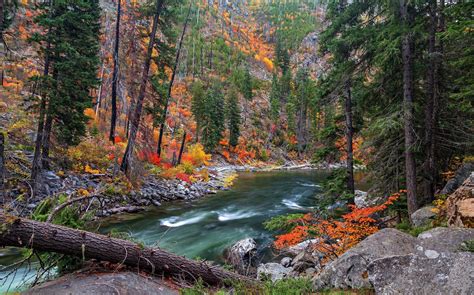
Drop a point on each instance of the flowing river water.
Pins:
(206, 227)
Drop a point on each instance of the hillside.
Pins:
(279, 137)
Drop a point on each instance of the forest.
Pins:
(236, 147)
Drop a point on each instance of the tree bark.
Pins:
(43, 236)
(113, 119)
(2, 168)
(181, 149)
(48, 126)
(37, 161)
(170, 87)
(431, 107)
(141, 94)
(349, 136)
(408, 107)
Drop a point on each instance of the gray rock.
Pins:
(363, 199)
(447, 273)
(350, 269)
(242, 256)
(104, 283)
(443, 239)
(461, 174)
(309, 272)
(296, 249)
(423, 216)
(286, 261)
(304, 260)
(273, 271)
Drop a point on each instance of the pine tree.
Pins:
(213, 119)
(233, 117)
(275, 100)
(198, 106)
(247, 87)
(70, 46)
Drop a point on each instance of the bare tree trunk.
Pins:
(431, 107)
(54, 238)
(113, 119)
(2, 5)
(181, 149)
(141, 94)
(349, 136)
(48, 125)
(408, 107)
(37, 161)
(170, 87)
(2, 168)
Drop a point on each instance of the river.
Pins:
(206, 227)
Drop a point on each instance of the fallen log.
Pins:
(21, 232)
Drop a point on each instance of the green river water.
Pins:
(206, 227)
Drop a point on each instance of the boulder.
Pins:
(443, 239)
(242, 255)
(273, 271)
(461, 175)
(298, 248)
(363, 199)
(286, 261)
(104, 283)
(350, 269)
(447, 273)
(363, 265)
(423, 216)
(306, 259)
(460, 205)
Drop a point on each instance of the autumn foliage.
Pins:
(335, 236)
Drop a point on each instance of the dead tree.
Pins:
(2, 167)
(41, 236)
(113, 119)
(170, 87)
(137, 112)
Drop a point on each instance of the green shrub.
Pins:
(282, 222)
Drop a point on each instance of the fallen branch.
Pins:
(42, 236)
(65, 204)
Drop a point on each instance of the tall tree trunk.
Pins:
(37, 161)
(181, 149)
(48, 126)
(349, 136)
(113, 119)
(408, 107)
(2, 168)
(2, 5)
(431, 107)
(170, 87)
(48, 237)
(141, 94)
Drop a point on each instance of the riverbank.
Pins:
(115, 197)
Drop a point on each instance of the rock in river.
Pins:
(242, 255)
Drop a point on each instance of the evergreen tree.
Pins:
(282, 58)
(275, 104)
(233, 117)
(198, 105)
(74, 44)
(70, 45)
(213, 119)
(247, 86)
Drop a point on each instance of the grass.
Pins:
(296, 286)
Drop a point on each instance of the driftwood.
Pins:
(20, 232)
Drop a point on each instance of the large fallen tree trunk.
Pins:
(20, 232)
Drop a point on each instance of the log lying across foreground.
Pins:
(20, 232)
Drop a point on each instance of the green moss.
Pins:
(468, 246)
